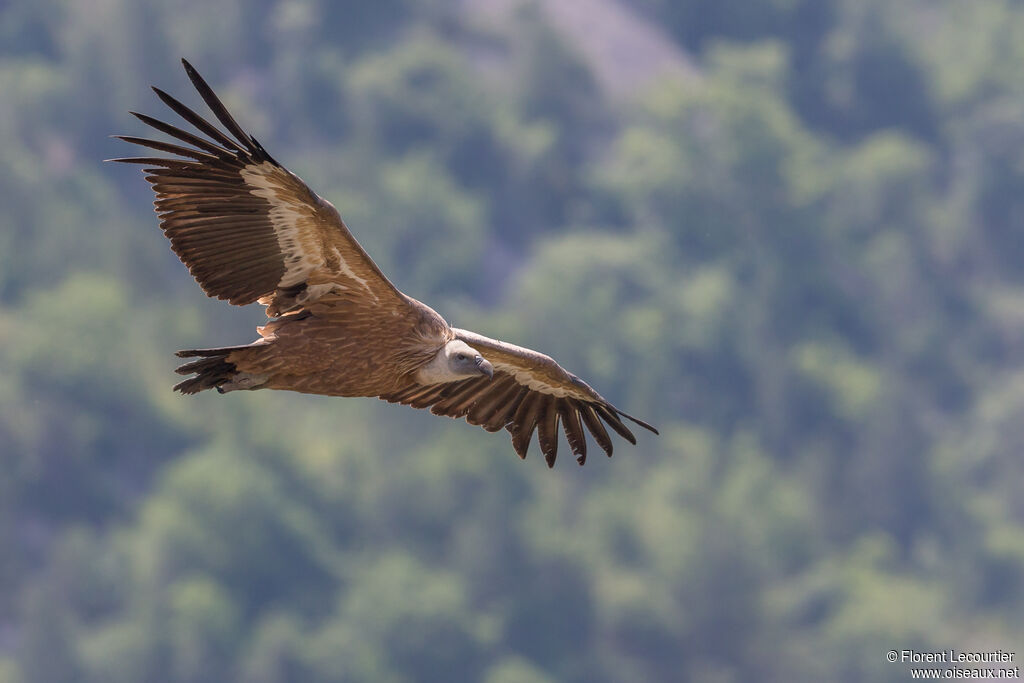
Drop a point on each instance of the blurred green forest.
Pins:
(799, 253)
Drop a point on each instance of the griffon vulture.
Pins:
(250, 230)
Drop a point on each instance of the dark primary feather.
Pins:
(196, 120)
(547, 429)
(573, 430)
(167, 147)
(523, 423)
(154, 161)
(219, 110)
(597, 429)
(634, 420)
(182, 135)
(612, 419)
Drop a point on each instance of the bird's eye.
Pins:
(461, 356)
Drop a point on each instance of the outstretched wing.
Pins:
(529, 391)
(247, 228)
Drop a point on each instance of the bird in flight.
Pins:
(250, 230)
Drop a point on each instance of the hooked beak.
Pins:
(485, 367)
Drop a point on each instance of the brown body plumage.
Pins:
(249, 230)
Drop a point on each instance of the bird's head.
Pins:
(465, 361)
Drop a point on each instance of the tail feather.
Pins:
(212, 369)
